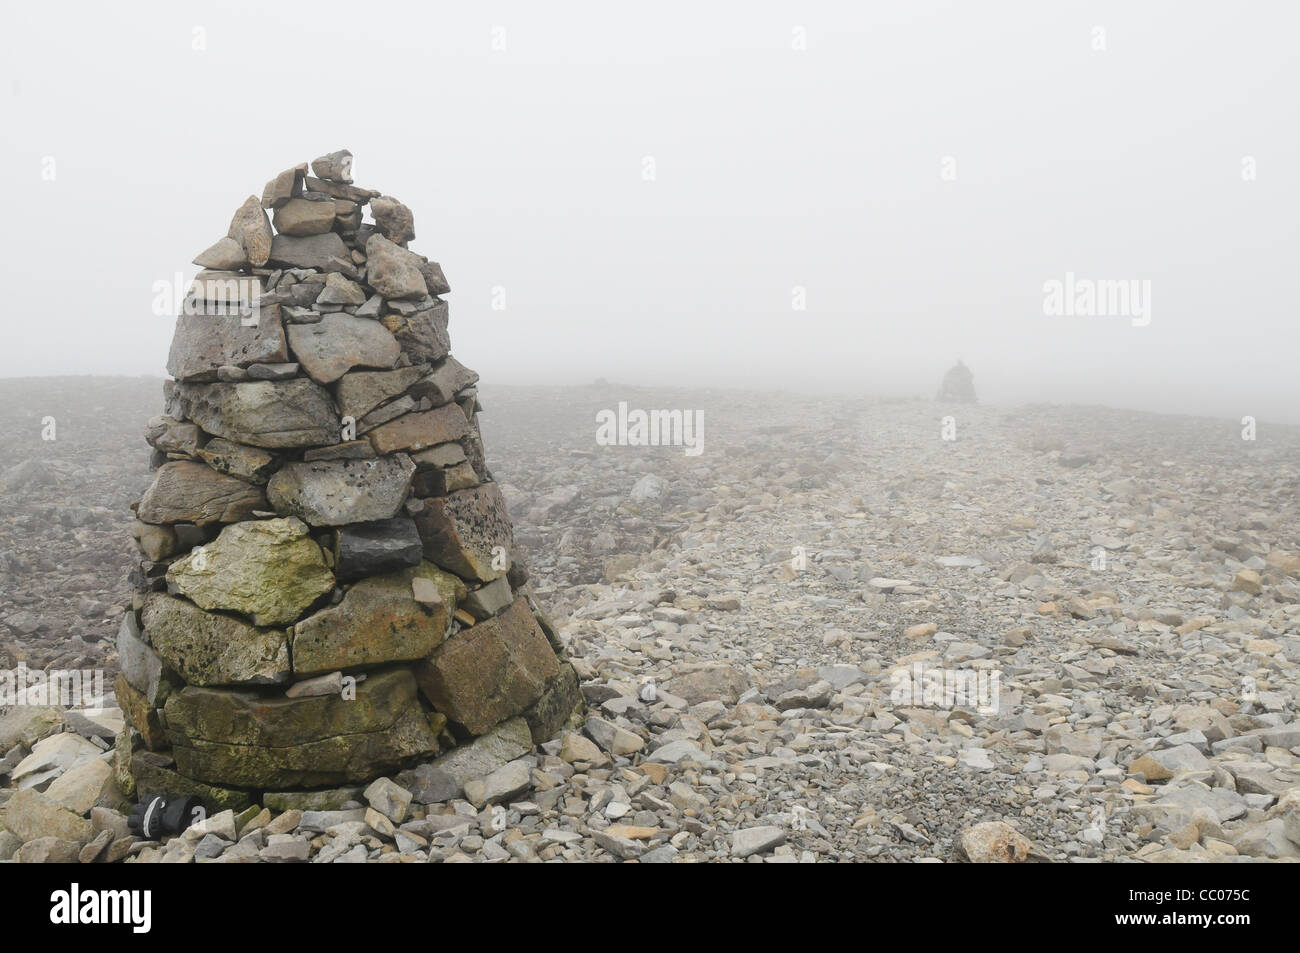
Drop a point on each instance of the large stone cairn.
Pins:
(328, 591)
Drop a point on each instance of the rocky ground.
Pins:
(1129, 583)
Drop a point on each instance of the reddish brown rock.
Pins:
(468, 532)
(491, 671)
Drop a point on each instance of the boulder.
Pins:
(339, 492)
(267, 414)
(414, 432)
(268, 570)
(382, 546)
(208, 648)
(378, 622)
(247, 740)
(340, 342)
(188, 492)
(202, 343)
(393, 271)
(491, 671)
(468, 532)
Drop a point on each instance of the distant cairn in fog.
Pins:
(958, 384)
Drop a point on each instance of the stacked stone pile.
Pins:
(327, 590)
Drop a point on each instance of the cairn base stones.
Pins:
(326, 586)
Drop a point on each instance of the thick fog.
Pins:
(810, 197)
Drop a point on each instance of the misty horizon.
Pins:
(844, 202)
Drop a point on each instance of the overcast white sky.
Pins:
(775, 166)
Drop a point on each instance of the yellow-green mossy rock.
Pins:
(268, 570)
(244, 739)
(206, 648)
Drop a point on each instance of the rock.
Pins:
(172, 436)
(445, 778)
(227, 254)
(622, 847)
(648, 488)
(708, 683)
(84, 786)
(995, 842)
(504, 784)
(1181, 759)
(331, 684)
(301, 217)
(756, 840)
(360, 392)
(676, 752)
(251, 228)
(205, 343)
(48, 850)
(468, 533)
(1248, 581)
(559, 699)
(154, 773)
(141, 716)
(1266, 840)
(378, 621)
(52, 757)
(336, 166)
(393, 219)
(244, 739)
(423, 335)
(416, 431)
(339, 290)
(206, 648)
(435, 280)
(284, 187)
(89, 853)
(28, 724)
(491, 671)
(156, 542)
(324, 252)
(234, 459)
(268, 414)
(285, 849)
(30, 814)
(389, 799)
(340, 342)
(339, 492)
(393, 271)
(576, 749)
(612, 738)
(271, 571)
(445, 381)
(488, 600)
(187, 492)
(381, 546)
(140, 664)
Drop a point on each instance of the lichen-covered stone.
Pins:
(268, 570)
(244, 739)
(268, 414)
(209, 648)
(339, 492)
